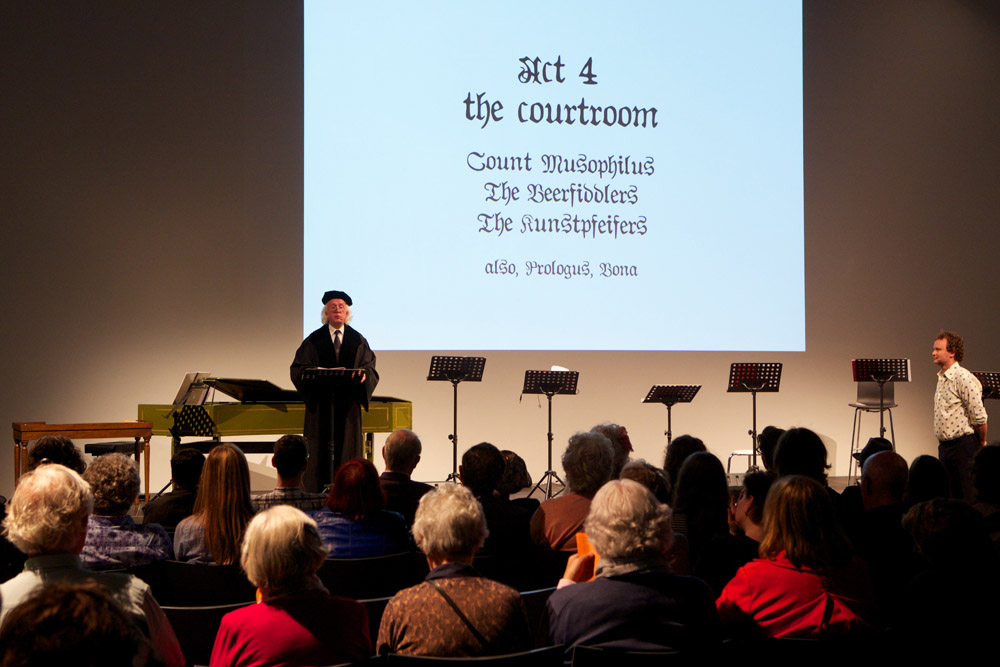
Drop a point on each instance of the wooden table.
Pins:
(142, 431)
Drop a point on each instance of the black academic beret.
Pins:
(337, 294)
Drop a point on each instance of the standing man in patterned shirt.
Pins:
(959, 415)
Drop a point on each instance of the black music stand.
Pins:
(881, 371)
(455, 370)
(990, 382)
(549, 383)
(754, 377)
(670, 395)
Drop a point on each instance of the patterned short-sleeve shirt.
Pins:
(958, 403)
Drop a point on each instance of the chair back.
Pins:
(550, 656)
(196, 628)
(366, 578)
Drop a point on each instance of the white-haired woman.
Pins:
(454, 612)
(295, 621)
(634, 601)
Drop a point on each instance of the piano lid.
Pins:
(254, 391)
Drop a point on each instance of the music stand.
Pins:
(754, 377)
(549, 383)
(670, 395)
(881, 371)
(455, 370)
(990, 382)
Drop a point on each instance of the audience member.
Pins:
(724, 555)
(47, 520)
(113, 538)
(679, 449)
(587, 461)
(55, 449)
(481, 470)
(701, 503)
(401, 453)
(952, 602)
(767, 442)
(928, 480)
(649, 476)
(454, 612)
(986, 484)
(296, 621)
(878, 536)
(354, 524)
(71, 624)
(620, 444)
(850, 505)
(290, 459)
(634, 602)
(516, 479)
(806, 582)
(169, 509)
(222, 510)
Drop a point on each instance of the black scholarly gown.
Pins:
(333, 405)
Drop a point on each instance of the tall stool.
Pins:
(868, 402)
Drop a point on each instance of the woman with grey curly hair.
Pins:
(454, 612)
(114, 540)
(634, 601)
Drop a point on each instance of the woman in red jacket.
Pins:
(807, 582)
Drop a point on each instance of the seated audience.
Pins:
(649, 476)
(47, 520)
(723, 556)
(113, 538)
(620, 444)
(401, 453)
(634, 602)
(986, 485)
(222, 510)
(296, 621)
(55, 449)
(701, 503)
(878, 536)
(952, 602)
(654, 479)
(806, 582)
(679, 449)
(516, 479)
(169, 509)
(454, 612)
(587, 461)
(928, 479)
(767, 442)
(354, 523)
(481, 469)
(850, 505)
(71, 624)
(290, 459)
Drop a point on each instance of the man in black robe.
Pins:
(333, 405)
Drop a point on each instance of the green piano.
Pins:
(262, 409)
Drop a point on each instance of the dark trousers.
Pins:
(957, 455)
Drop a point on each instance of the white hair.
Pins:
(449, 524)
(347, 320)
(627, 523)
(49, 508)
(281, 549)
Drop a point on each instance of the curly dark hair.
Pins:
(955, 343)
